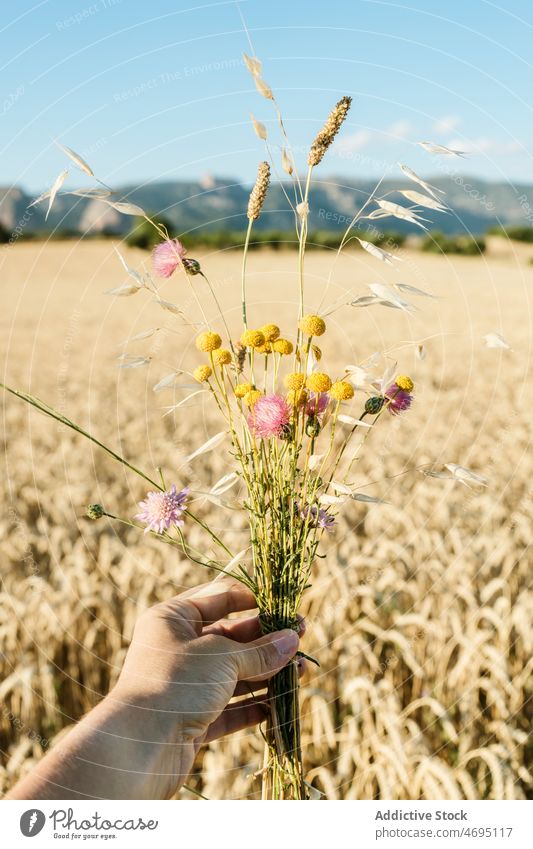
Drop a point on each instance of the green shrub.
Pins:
(519, 233)
(438, 243)
(144, 235)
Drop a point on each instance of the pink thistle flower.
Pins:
(160, 510)
(399, 400)
(316, 403)
(167, 256)
(269, 416)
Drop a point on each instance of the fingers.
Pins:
(241, 630)
(244, 630)
(244, 714)
(210, 602)
(245, 688)
(264, 657)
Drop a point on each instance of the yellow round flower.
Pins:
(295, 380)
(341, 390)
(251, 397)
(252, 339)
(270, 332)
(208, 341)
(242, 389)
(264, 349)
(202, 373)
(318, 382)
(222, 357)
(283, 346)
(317, 352)
(404, 382)
(296, 397)
(312, 325)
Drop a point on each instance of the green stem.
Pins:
(243, 275)
(53, 414)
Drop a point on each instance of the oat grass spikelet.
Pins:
(258, 193)
(328, 132)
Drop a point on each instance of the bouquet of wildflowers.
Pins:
(289, 419)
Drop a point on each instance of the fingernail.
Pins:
(302, 627)
(286, 643)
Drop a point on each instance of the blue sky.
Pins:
(159, 91)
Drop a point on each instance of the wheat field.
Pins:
(421, 611)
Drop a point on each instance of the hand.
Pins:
(184, 665)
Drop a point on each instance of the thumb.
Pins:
(264, 657)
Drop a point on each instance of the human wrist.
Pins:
(135, 746)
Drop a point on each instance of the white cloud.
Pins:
(400, 129)
(486, 145)
(446, 124)
(354, 141)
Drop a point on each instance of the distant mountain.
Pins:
(217, 204)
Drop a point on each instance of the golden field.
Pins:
(420, 614)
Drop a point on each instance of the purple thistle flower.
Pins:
(318, 517)
(167, 256)
(316, 403)
(399, 400)
(160, 510)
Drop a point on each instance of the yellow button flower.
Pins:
(252, 339)
(202, 373)
(404, 382)
(208, 341)
(296, 397)
(295, 380)
(318, 382)
(283, 346)
(341, 390)
(222, 357)
(242, 389)
(270, 332)
(251, 397)
(312, 325)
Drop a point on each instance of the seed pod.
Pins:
(286, 432)
(240, 356)
(374, 405)
(258, 193)
(329, 131)
(312, 427)
(191, 266)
